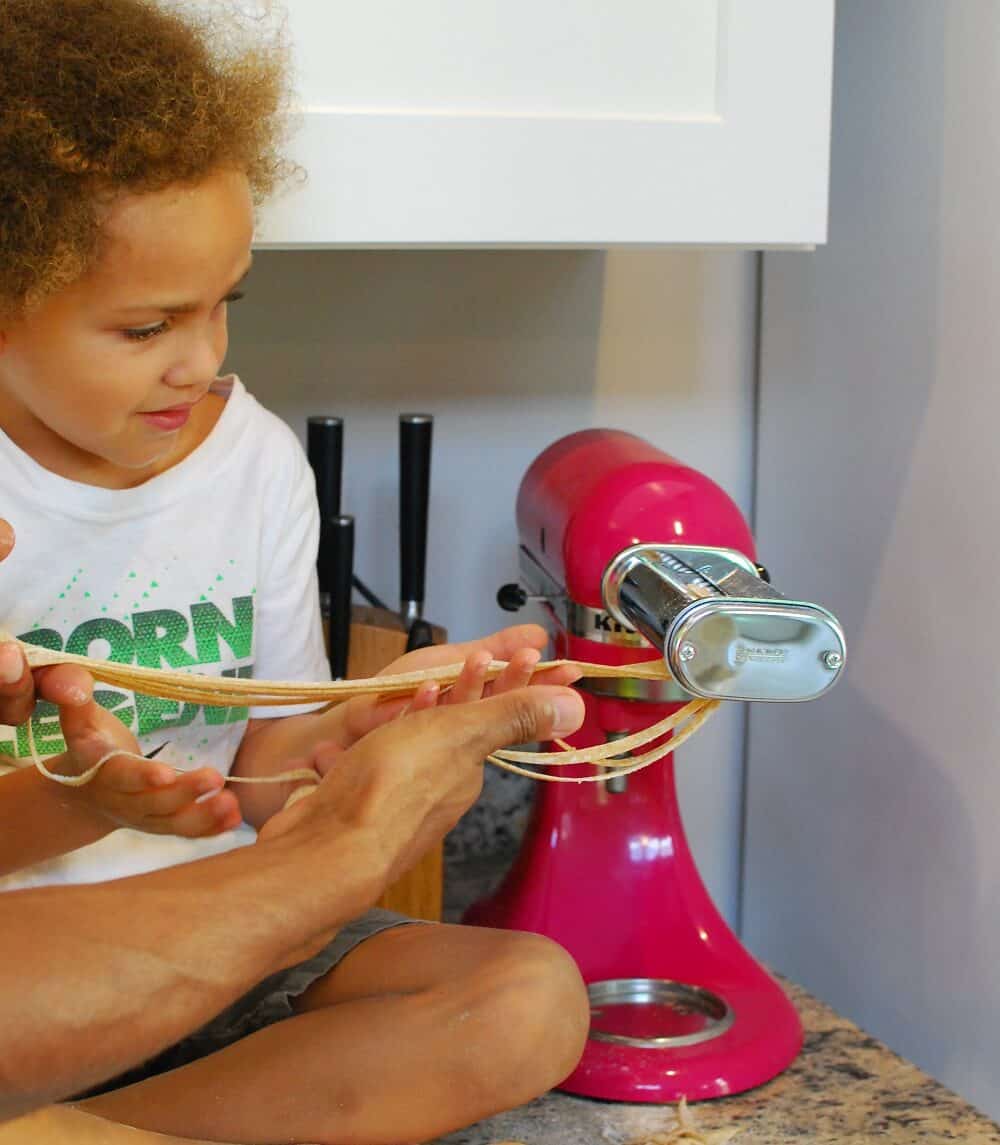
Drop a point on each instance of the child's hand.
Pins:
(520, 646)
(139, 793)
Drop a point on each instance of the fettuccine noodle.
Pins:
(610, 758)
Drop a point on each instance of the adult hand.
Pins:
(65, 684)
(409, 781)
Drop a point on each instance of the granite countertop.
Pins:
(844, 1087)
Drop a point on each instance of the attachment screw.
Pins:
(687, 651)
(832, 660)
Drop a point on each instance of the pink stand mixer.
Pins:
(632, 553)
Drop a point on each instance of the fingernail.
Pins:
(11, 664)
(77, 695)
(568, 711)
(163, 777)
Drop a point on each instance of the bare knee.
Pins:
(539, 1012)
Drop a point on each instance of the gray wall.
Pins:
(873, 855)
(510, 350)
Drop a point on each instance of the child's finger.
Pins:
(472, 679)
(6, 539)
(17, 688)
(127, 775)
(90, 732)
(518, 672)
(561, 676)
(325, 755)
(213, 816)
(67, 685)
(186, 788)
(426, 696)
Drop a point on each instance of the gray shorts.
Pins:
(268, 1002)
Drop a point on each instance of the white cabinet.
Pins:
(558, 123)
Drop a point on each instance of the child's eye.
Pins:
(144, 332)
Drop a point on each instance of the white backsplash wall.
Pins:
(510, 350)
(873, 858)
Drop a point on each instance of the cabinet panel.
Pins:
(519, 58)
(451, 124)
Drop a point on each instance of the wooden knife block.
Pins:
(377, 638)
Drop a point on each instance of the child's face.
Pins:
(102, 382)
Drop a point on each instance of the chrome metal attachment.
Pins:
(724, 632)
(656, 1013)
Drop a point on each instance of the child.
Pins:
(164, 518)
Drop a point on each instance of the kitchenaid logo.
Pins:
(603, 622)
(600, 626)
(753, 653)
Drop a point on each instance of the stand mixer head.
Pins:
(634, 554)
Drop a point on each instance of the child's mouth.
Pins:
(167, 420)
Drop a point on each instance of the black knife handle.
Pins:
(421, 635)
(415, 431)
(335, 565)
(325, 446)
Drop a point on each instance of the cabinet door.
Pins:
(539, 122)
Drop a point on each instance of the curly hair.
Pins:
(99, 98)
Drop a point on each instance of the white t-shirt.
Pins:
(210, 566)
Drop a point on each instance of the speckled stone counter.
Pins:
(844, 1087)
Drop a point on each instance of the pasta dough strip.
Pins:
(225, 691)
(218, 691)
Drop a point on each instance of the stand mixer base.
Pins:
(658, 1040)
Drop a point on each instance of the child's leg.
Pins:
(418, 1031)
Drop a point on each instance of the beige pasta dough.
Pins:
(225, 691)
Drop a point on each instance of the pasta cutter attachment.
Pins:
(724, 632)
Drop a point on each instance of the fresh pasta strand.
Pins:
(696, 719)
(218, 691)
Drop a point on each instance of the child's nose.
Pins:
(200, 363)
